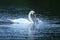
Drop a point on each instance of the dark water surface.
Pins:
(49, 29)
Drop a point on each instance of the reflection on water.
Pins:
(44, 31)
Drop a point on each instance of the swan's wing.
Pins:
(21, 20)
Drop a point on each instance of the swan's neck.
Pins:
(29, 17)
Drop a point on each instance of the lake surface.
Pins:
(49, 29)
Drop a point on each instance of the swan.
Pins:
(23, 20)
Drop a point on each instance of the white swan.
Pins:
(22, 20)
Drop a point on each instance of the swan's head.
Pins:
(32, 12)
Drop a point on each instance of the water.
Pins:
(47, 30)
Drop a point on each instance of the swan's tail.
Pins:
(14, 22)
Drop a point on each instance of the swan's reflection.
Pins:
(18, 30)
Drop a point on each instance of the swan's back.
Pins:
(21, 20)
